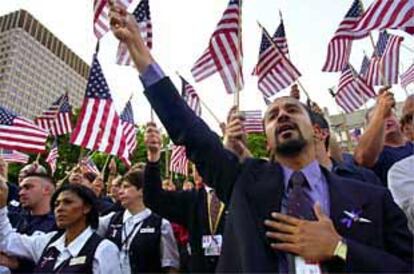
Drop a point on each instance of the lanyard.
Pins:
(128, 236)
(213, 227)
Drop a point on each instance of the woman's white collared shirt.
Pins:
(31, 247)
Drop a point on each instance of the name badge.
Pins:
(147, 230)
(77, 260)
(302, 267)
(212, 245)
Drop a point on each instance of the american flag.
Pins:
(224, 52)
(127, 118)
(274, 70)
(279, 38)
(53, 156)
(19, 133)
(407, 77)
(383, 14)
(179, 161)
(339, 48)
(353, 92)
(57, 119)
(364, 67)
(14, 156)
(101, 16)
(99, 127)
(385, 61)
(90, 165)
(253, 122)
(190, 96)
(143, 17)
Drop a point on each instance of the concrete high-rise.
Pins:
(36, 67)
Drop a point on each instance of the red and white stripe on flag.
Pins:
(19, 133)
(60, 125)
(407, 77)
(383, 14)
(52, 157)
(353, 92)
(101, 16)
(224, 52)
(274, 69)
(384, 70)
(99, 127)
(253, 122)
(179, 161)
(143, 17)
(339, 48)
(14, 156)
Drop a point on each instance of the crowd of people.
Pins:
(308, 208)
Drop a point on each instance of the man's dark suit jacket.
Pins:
(187, 208)
(253, 189)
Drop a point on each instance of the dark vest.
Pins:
(49, 256)
(144, 251)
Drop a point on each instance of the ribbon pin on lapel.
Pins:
(353, 216)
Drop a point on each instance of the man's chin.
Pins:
(290, 148)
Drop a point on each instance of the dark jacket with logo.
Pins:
(144, 251)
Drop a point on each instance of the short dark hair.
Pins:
(86, 195)
(318, 119)
(135, 177)
(90, 176)
(406, 119)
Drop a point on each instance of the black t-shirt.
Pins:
(388, 157)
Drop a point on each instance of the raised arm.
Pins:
(372, 141)
(217, 166)
(172, 205)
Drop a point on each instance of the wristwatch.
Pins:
(341, 250)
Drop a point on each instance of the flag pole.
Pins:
(37, 158)
(105, 165)
(239, 55)
(278, 50)
(167, 172)
(205, 105)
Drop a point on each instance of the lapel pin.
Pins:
(353, 216)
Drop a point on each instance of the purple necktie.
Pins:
(300, 204)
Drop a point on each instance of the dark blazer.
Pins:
(254, 188)
(187, 208)
(355, 172)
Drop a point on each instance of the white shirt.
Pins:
(168, 245)
(401, 180)
(31, 247)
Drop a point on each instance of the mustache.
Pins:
(286, 126)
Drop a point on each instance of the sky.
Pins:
(182, 29)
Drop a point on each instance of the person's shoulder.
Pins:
(358, 187)
(106, 246)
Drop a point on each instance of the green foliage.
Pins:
(257, 145)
